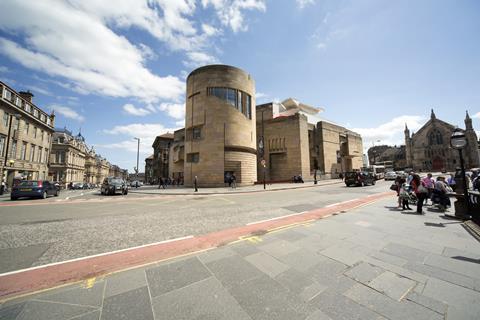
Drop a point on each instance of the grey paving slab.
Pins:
(34, 310)
(388, 258)
(318, 315)
(364, 272)
(244, 248)
(125, 281)
(300, 284)
(457, 253)
(402, 271)
(339, 307)
(267, 264)
(175, 275)
(392, 285)
(11, 311)
(419, 240)
(233, 271)
(315, 242)
(216, 254)
(445, 275)
(389, 308)
(302, 259)
(206, 299)
(264, 298)
(344, 254)
(464, 267)
(131, 305)
(461, 298)
(279, 248)
(95, 315)
(21, 257)
(78, 295)
(427, 302)
(290, 235)
(405, 252)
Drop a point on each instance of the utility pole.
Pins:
(138, 153)
(263, 152)
(9, 133)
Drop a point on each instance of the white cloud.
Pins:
(36, 89)
(67, 112)
(476, 115)
(146, 132)
(180, 123)
(303, 3)
(230, 12)
(390, 133)
(197, 59)
(131, 109)
(174, 110)
(210, 30)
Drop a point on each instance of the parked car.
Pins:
(114, 185)
(390, 175)
(136, 184)
(359, 178)
(33, 189)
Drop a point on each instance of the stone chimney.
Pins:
(27, 95)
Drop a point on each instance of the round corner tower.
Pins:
(220, 128)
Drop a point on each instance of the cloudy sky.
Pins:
(117, 69)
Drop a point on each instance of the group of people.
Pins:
(414, 188)
(165, 182)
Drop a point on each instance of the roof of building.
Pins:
(166, 135)
(149, 157)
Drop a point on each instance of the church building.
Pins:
(429, 149)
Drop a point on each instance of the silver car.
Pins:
(390, 175)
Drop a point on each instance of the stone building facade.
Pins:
(25, 136)
(177, 156)
(149, 170)
(67, 158)
(220, 130)
(429, 148)
(161, 154)
(292, 146)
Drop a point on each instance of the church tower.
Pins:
(408, 146)
(472, 151)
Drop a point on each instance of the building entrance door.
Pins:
(438, 164)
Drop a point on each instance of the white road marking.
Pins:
(276, 218)
(94, 256)
(332, 205)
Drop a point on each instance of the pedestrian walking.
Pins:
(195, 181)
(405, 196)
(233, 181)
(2, 187)
(430, 185)
(160, 184)
(420, 191)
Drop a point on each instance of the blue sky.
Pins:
(118, 71)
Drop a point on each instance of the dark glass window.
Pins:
(196, 133)
(193, 157)
(236, 98)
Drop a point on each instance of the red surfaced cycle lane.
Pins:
(21, 282)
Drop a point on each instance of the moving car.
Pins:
(114, 185)
(33, 189)
(390, 175)
(136, 184)
(359, 178)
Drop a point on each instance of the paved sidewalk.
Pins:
(373, 262)
(173, 190)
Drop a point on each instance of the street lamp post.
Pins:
(138, 153)
(261, 147)
(459, 141)
(9, 133)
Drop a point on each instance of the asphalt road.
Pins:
(82, 223)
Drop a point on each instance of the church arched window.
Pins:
(435, 137)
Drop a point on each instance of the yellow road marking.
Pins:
(253, 239)
(89, 282)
